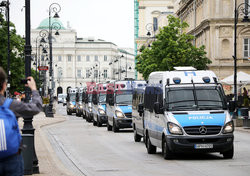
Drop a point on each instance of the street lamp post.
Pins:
(28, 126)
(53, 8)
(242, 9)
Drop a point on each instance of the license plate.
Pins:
(203, 146)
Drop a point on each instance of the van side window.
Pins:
(150, 98)
(159, 94)
(134, 101)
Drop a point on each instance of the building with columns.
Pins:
(150, 15)
(79, 60)
(212, 23)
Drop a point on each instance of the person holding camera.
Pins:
(13, 165)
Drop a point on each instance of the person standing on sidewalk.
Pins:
(245, 97)
(13, 165)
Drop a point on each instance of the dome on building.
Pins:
(45, 23)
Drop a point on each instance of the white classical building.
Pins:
(80, 60)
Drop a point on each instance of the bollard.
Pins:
(27, 153)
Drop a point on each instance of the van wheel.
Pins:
(137, 137)
(115, 128)
(69, 113)
(94, 122)
(98, 122)
(109, 128)
(167, 154)
(150, 148)
(229, 154)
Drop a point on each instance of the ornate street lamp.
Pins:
(53, 8)
(241, 9)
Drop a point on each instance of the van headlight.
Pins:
(229, 127)
(119, 114)
(101, 111)
(71, 106)
(90, 109)
(80, 106)
(174, 129)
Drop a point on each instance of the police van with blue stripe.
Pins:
(186, 111)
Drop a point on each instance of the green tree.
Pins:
(171, 48)
(16, 55)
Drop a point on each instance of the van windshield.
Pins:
(102, 98)
(72, 97)
(89, 97)
(124, 97)
(198, 98)
(80, 96)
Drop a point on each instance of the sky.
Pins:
(110, 20)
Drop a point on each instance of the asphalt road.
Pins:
(93, 151)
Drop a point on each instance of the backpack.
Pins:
(10, 137)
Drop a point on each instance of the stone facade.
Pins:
(212, 23)
(80, 60)
(152, 16)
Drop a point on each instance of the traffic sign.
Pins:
(43, 68)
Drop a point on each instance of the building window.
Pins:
(155, 24)
(87, 58)
(59, 58)
(79, 73)
(105, 58)
(87, 73)
(96, 58)
(79, 58)
(96, 74)
(69, 58)
(105, 74)
(247, 48)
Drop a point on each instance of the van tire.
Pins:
(69, 113)
(98, 123)
(109, 128)
(167, 154)
(137, 137)
(151, 149)
(114, 127)
(229, 154)
(94, 122)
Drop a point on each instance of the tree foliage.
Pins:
(171, 48)
(16, 55)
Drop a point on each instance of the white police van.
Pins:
(79, 103)
(137, 107)
(99, 105)
(118, 105)
(71, 101)
(186, 111)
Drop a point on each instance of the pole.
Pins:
(8, 26)
(126, 66)
(235, 51)
(28, 127)
(50, 107)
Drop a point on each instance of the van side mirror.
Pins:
(158, 108)
(141, 109)
(231, 106)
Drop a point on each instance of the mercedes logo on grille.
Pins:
(203, 130)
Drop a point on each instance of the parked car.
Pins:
(61, 98)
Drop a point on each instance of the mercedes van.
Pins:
(186, 111)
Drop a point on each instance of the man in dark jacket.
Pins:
(13, 165)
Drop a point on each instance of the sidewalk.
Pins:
(48, 162)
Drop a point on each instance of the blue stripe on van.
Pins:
(201, 119)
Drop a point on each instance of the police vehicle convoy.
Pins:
(79, 103)
(186, 111)
(99, 105)
(71, 100)
(118, 105)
